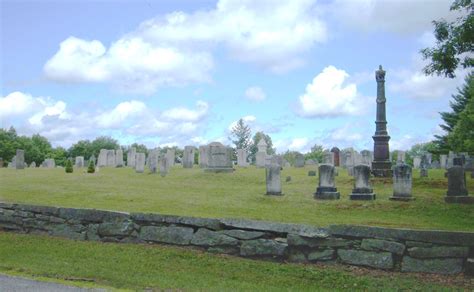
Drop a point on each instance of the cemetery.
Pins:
(237, 146)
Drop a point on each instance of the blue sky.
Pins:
(182, 72)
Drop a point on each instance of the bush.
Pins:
(69, 168)
(91, 167)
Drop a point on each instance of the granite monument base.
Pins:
(459, 199)
(327, 193)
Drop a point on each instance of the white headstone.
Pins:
(140, 162)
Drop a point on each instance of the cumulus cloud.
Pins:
(255, 93)
(403, 17)
(131, 120)
(176, 48)
(328, 95)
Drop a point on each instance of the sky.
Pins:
(166, 73)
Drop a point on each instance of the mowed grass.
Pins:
(191, 192)
(138, 267)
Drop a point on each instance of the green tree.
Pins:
(59, 154)
(458, 104)
(253, 147)
(420, 149)
(103, 142)
(69, 168)
(91, 167)
(461, 138)
(240, 135)
(8, 144)
(81, 148)
(316, 153)
(455, 42)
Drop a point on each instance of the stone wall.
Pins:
(381, 248)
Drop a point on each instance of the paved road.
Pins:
(18, 284)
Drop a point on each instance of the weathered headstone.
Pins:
(153, 158)
(203, 156)
(102, 159)
(164, 166)
(49, 163)
(402, 182)
(328, 157)
(312, 173)
(261, 155)
(457, 190)
(435, 164)
(416, 162)
(400, 156)
(242, 158)
(170, 155)
(140, 162)
(119, 158)
(443, 161)
(299, 160)
(131, 157)
(79, 161)
(337, 153)
(33, 165)
(326, 189)
(362, 189)
(20, 159)
(111, 158)
(188, 157)
(220, 158)
(273, 179)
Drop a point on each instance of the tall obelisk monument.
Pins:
(381, 165)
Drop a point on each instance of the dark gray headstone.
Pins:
(456, 181)
(188, 157)
(299, 160)
(273, 179)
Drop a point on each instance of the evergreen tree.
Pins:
(91, 167)
(461, 138)
(240, 135)
(458, 104)
(69, 168)
(455, 42)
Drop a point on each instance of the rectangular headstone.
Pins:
(203, 156)
(140, 162)
(131, 157)
(242, 158)
(119, 158)
(20, 159)
(170, 155)
(188, 157)
(79, 161)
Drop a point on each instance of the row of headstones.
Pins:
(445, 160)
(18, 161)
(402, 183)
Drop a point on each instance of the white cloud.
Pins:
(184, 114)
(255, 93)
(175, 49)
(391, 16)
(328, 96)
(299, 144)
(413, 83)
(16, 103)
(120, 113)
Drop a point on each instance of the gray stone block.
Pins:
(171, 235)
(298, 229)
(297, 256)
(262, 247)
(296, 240)
(437, 266)
(379, 260)
(242, 234)
(206, 237)
(120, 229)
(92, 232)
(323, 255)
(208, 223)
(410, 243)
(383, 245)
(76, 232)
(91, 215)
(439, 252)
(441, 237)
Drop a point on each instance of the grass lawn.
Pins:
(192, 192)
(136, 266)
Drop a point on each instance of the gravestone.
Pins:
(188, 157)
(164, 166)
(119, 158)
(435, 164)
(20, 159)
(400, 156)
(457, 190)
(443, 161)
(261, 155)
(12, 164)
(299, 160)
(242, 158)
(362, 189)
(310, 162)
(326, 189)
(428, 159)
(140, 162)
(79, 161)
(366, 157)
(337, 152)
(153, 158)
(203, 156)
(273, 179)
(416, 162)
(451, 156)
(220, 158)
(328, 157)
(131, 157)
(102, 159)
(170, 155)
(111, 158)
(49, 163)
(33, 165)
(402, 182)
